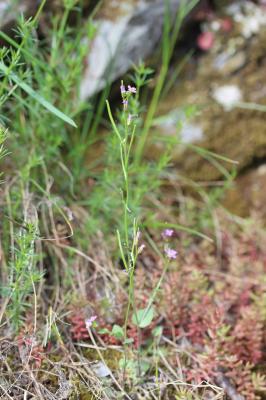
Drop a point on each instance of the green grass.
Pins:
(40, 106)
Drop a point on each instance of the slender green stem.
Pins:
(112, 121)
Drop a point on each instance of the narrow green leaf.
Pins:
(46, 104)
(252, 106)
(157, 224)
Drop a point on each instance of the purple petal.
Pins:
(170, 253)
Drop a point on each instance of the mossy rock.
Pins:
(247, 197)
(239, 134)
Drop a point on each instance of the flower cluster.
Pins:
(126, 93)
(89, 321)
(170, 253)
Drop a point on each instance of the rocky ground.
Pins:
(229, 73)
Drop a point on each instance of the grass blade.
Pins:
(158, 224)
(252, 106)
(36, 96)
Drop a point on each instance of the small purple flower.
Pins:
(122, 89)
(170, 253)
(168, 232)
(89, 321)
(131, 89)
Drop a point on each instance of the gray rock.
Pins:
(125, 35)
(228, 63)
(10, 9)
(100, 369)
(176, 122)
(191, 133)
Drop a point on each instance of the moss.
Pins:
(81, 391)
(111, 357)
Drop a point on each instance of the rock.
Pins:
(10, 10)
(191, 133)
(176, 119)
(236, 133)
(247, 197)
(100, 369)
(239, 135)
(127, 32)
(227, 96)
(229, 63)
(249, 16)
